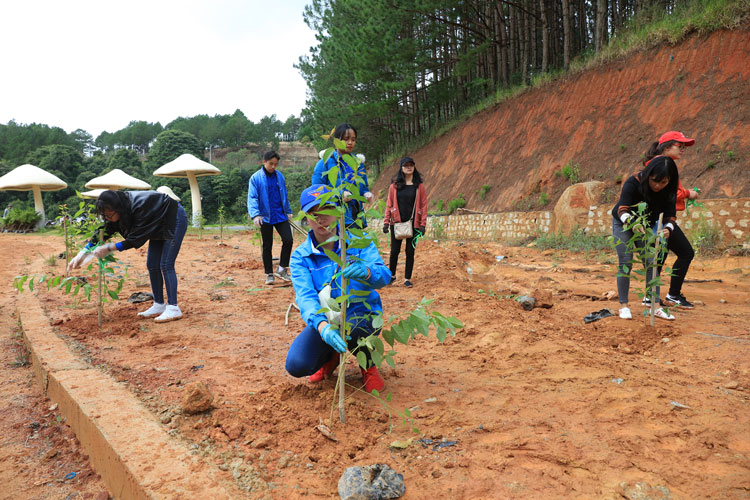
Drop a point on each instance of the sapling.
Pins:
(646, 243)
(355, 235)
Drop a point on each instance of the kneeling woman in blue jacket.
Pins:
(314, 350)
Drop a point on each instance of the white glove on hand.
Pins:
(76, 261)
(368, 196)
(101, 251)
(258, 220)
(347, 196)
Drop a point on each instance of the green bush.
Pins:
(21, 219)
(456, 203)
(543, 199)
(571, 171)
(706, 237)
(483, 191)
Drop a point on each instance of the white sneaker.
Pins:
(661, 313)
(170, 314)
(155, 310)
(625, 313)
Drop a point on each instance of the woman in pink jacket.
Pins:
(407, 199)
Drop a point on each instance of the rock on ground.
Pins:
(371, 482)
(196, 398)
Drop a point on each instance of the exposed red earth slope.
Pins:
(604, 119)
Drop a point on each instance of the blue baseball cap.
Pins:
(309, 197)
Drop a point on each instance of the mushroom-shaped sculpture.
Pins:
(117, 179)
(93, 194)
(30, 178)
(168, 192)
(190, 167)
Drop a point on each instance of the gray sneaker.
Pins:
(284, 275)
(269, 279)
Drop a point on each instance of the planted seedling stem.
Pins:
(654, 297)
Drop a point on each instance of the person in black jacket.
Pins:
(656, 185)
(141, 216)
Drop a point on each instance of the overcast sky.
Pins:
(98, 64)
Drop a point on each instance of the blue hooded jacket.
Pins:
(257, 195)
(312, 269)
(346, 175)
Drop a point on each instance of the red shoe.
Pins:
(325, 370)
(372, 379)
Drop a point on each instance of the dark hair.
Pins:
(271, 154)
(340, 130)
(116, 201)
(662, 167)
(400, 180)
(657, 149)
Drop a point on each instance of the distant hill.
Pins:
(601, 121)
(292, 153)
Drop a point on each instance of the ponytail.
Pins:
(657, 149)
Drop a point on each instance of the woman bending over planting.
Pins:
(315, 274)
(141, 216)
(672, 144)
(656, 185)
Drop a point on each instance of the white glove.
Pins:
(101, 251)
(258, 220)
(347, 196)
(368, 196)
(76, 261)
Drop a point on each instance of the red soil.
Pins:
(530, 396)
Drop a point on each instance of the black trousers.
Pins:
(266, 234)
(396, 249)
(679, 244)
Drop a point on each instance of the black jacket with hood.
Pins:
(146, 215)
(636, 190)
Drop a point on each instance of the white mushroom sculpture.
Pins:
(190, 167)
(168, 192)
(93, 194)
(117, 179)
(30, 178)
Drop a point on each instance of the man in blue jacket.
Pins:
(268, 206)
(314, 350)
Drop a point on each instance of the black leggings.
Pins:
(266, 233)
(679, 244)
(396, 249)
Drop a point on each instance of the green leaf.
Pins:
(401, 444)
(377, 321)
(388, 336)
(377, 358)
(334, 257)
(31, 284)
(112, 294)
(389, 360)
(379, 347)
(339, 143)
(440, 333)
(389, 397)
(362, 360)
(68, 285)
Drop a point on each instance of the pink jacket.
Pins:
(391, 207)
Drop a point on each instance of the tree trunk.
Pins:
(566, 33)
(545, 37)
(600, 25)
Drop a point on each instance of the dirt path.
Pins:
(541, 405)
(37, 448)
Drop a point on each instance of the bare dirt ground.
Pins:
(541, 405)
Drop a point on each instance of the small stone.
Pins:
(723, 301)
(284, 461)
(196, 398)
(526, 302)
(263, 442)
(57, 321)
(371, 482)
(53, 407)
(732, 384)
(665, 340)
(236, 247)
(223, 467)
(609, 295)
(699, 303)
(431, 400)
(102, 495)
(436, 473)
(50, 454)
(166, 419)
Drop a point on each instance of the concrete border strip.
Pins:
(131, 451)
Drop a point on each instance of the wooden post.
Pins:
(101, 273)
(67, 247)
(342, 357)
(652, 290)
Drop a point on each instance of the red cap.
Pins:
(676, 136)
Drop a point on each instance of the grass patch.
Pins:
(705, 237)
(576, 241)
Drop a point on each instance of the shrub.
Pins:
(20, 219)
(572, 172)
(483, 191)
(456, 203)
(543, 199)
(706, 237)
